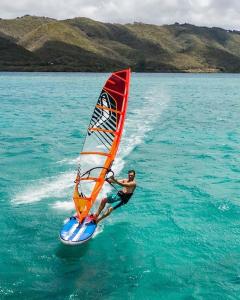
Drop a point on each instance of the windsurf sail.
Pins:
(102, 141)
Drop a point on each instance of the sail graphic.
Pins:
(102, 141)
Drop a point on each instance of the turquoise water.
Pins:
(178, 238)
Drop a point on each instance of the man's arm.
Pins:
(122, 183)
(112, 180)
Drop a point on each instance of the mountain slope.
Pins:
(82, 44)
(15, 57)
(17, 28)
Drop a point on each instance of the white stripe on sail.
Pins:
(104, 117)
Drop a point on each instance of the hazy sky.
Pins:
(221, 13)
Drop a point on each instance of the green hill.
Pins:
(17, 28)
(82, 44)
(15, 57)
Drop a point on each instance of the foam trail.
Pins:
(55, 187)
(138, 124)
(64, 205)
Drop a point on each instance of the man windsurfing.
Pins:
(121, 198)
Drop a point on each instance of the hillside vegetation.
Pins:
(43, 44)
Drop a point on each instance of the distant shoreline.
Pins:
(70, 70)
(109, 71)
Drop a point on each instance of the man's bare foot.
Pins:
(92, 219)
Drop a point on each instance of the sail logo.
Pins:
(100, 116)
(104, 101)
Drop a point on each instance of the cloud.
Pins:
(221, 13)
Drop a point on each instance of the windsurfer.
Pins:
(122, 197)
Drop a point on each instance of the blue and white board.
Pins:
(74, 233)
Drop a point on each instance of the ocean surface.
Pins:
(179, 236)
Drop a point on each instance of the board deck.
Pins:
(75, 233)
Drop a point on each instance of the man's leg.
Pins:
(107, 213)
(101, 207)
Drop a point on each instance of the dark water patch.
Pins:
(46, 115)
(71, 253)
(204, 156)
(235, 168)
(233, 136)
(17, 152)
(227, 156)
(167, 142)
(4, 181)
(45, 147)
(76, 134)
(194, 190)
(210, 176)
(10, 139)
(236, 280)
(223, 148)
(225, 180)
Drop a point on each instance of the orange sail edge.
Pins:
(83, 205)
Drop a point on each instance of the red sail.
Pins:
(102, 140)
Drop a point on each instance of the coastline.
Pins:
(77, 70)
